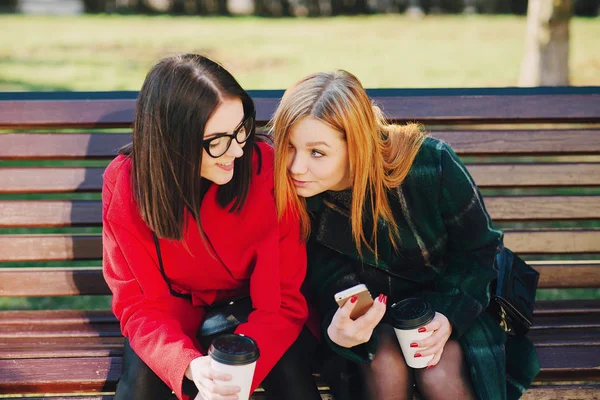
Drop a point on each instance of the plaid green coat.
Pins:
(447, 247)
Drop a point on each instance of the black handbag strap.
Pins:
(162, 271)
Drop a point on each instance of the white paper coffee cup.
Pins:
(407, 317)
(235, 355)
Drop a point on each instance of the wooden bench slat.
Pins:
(566, 307)
(535, 175)
(465, 142)
(563, 392)
(22, 114)
(50, 180)
(52, 281)
(50, 213)
(101, 325)
(565, 276)
(94, 374)
(61, 330)
(65, 247)
(511, 142)
(61, 347)
(46, 317)
(553, 241)
(50, 247)
(106, 346)
(497, 109)
(78, 179)
(82, 374)
(59, 213)
(566, 337)
(532, 208)
(32, 146)
(66, 281)
(558, 321)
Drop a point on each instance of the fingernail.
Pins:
(414, 345)
(353, 299)
(384, 299)
(417, 355)
(421, 330)
(430, 366)
(380, 298)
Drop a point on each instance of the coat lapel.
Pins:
(332, 228)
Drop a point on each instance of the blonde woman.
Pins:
(343, 167)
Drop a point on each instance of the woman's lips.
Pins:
(298, 183)
(226, 167)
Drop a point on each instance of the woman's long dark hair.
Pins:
(177, 98)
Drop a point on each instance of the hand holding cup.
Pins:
(434, 345)
(210, 381)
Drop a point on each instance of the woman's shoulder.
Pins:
(425, 173)
(117, 169)
(116, 187)
(432, 148)
(428, 158)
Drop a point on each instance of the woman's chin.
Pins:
(306, 192)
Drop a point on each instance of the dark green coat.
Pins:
(447, 247)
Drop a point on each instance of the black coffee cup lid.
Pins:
(232, 349)
(411, 313)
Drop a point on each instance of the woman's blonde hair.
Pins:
(380, 154)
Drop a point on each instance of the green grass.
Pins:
(115, 52)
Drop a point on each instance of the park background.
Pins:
(55, 45)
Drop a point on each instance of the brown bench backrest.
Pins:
(534, 153)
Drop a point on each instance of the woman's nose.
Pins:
(235, 149)
(297, 165)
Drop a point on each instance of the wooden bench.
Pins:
(534, 152)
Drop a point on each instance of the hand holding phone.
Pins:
(364, 300)
(353, 323)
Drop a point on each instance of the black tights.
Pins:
(388, 377)
(291, 378)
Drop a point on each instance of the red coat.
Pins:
(253, 247)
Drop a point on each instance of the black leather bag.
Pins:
(513, 293)
(221, 317)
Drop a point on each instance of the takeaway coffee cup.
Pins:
(407, 317)
(235, 355)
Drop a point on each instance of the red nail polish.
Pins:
(414, 345)
(430, 366)
(417, 355)
(353, 299)
(380, 298)
(421, 330)
(384, 299)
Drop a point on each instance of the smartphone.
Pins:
(363, 303)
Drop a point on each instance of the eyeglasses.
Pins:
(218, 145)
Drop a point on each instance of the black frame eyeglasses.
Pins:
(218, 145)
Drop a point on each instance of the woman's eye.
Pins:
(316, 153)
(215, 143)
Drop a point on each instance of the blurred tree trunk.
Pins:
(546, 60)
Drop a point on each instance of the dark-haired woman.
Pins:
(196, 176)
